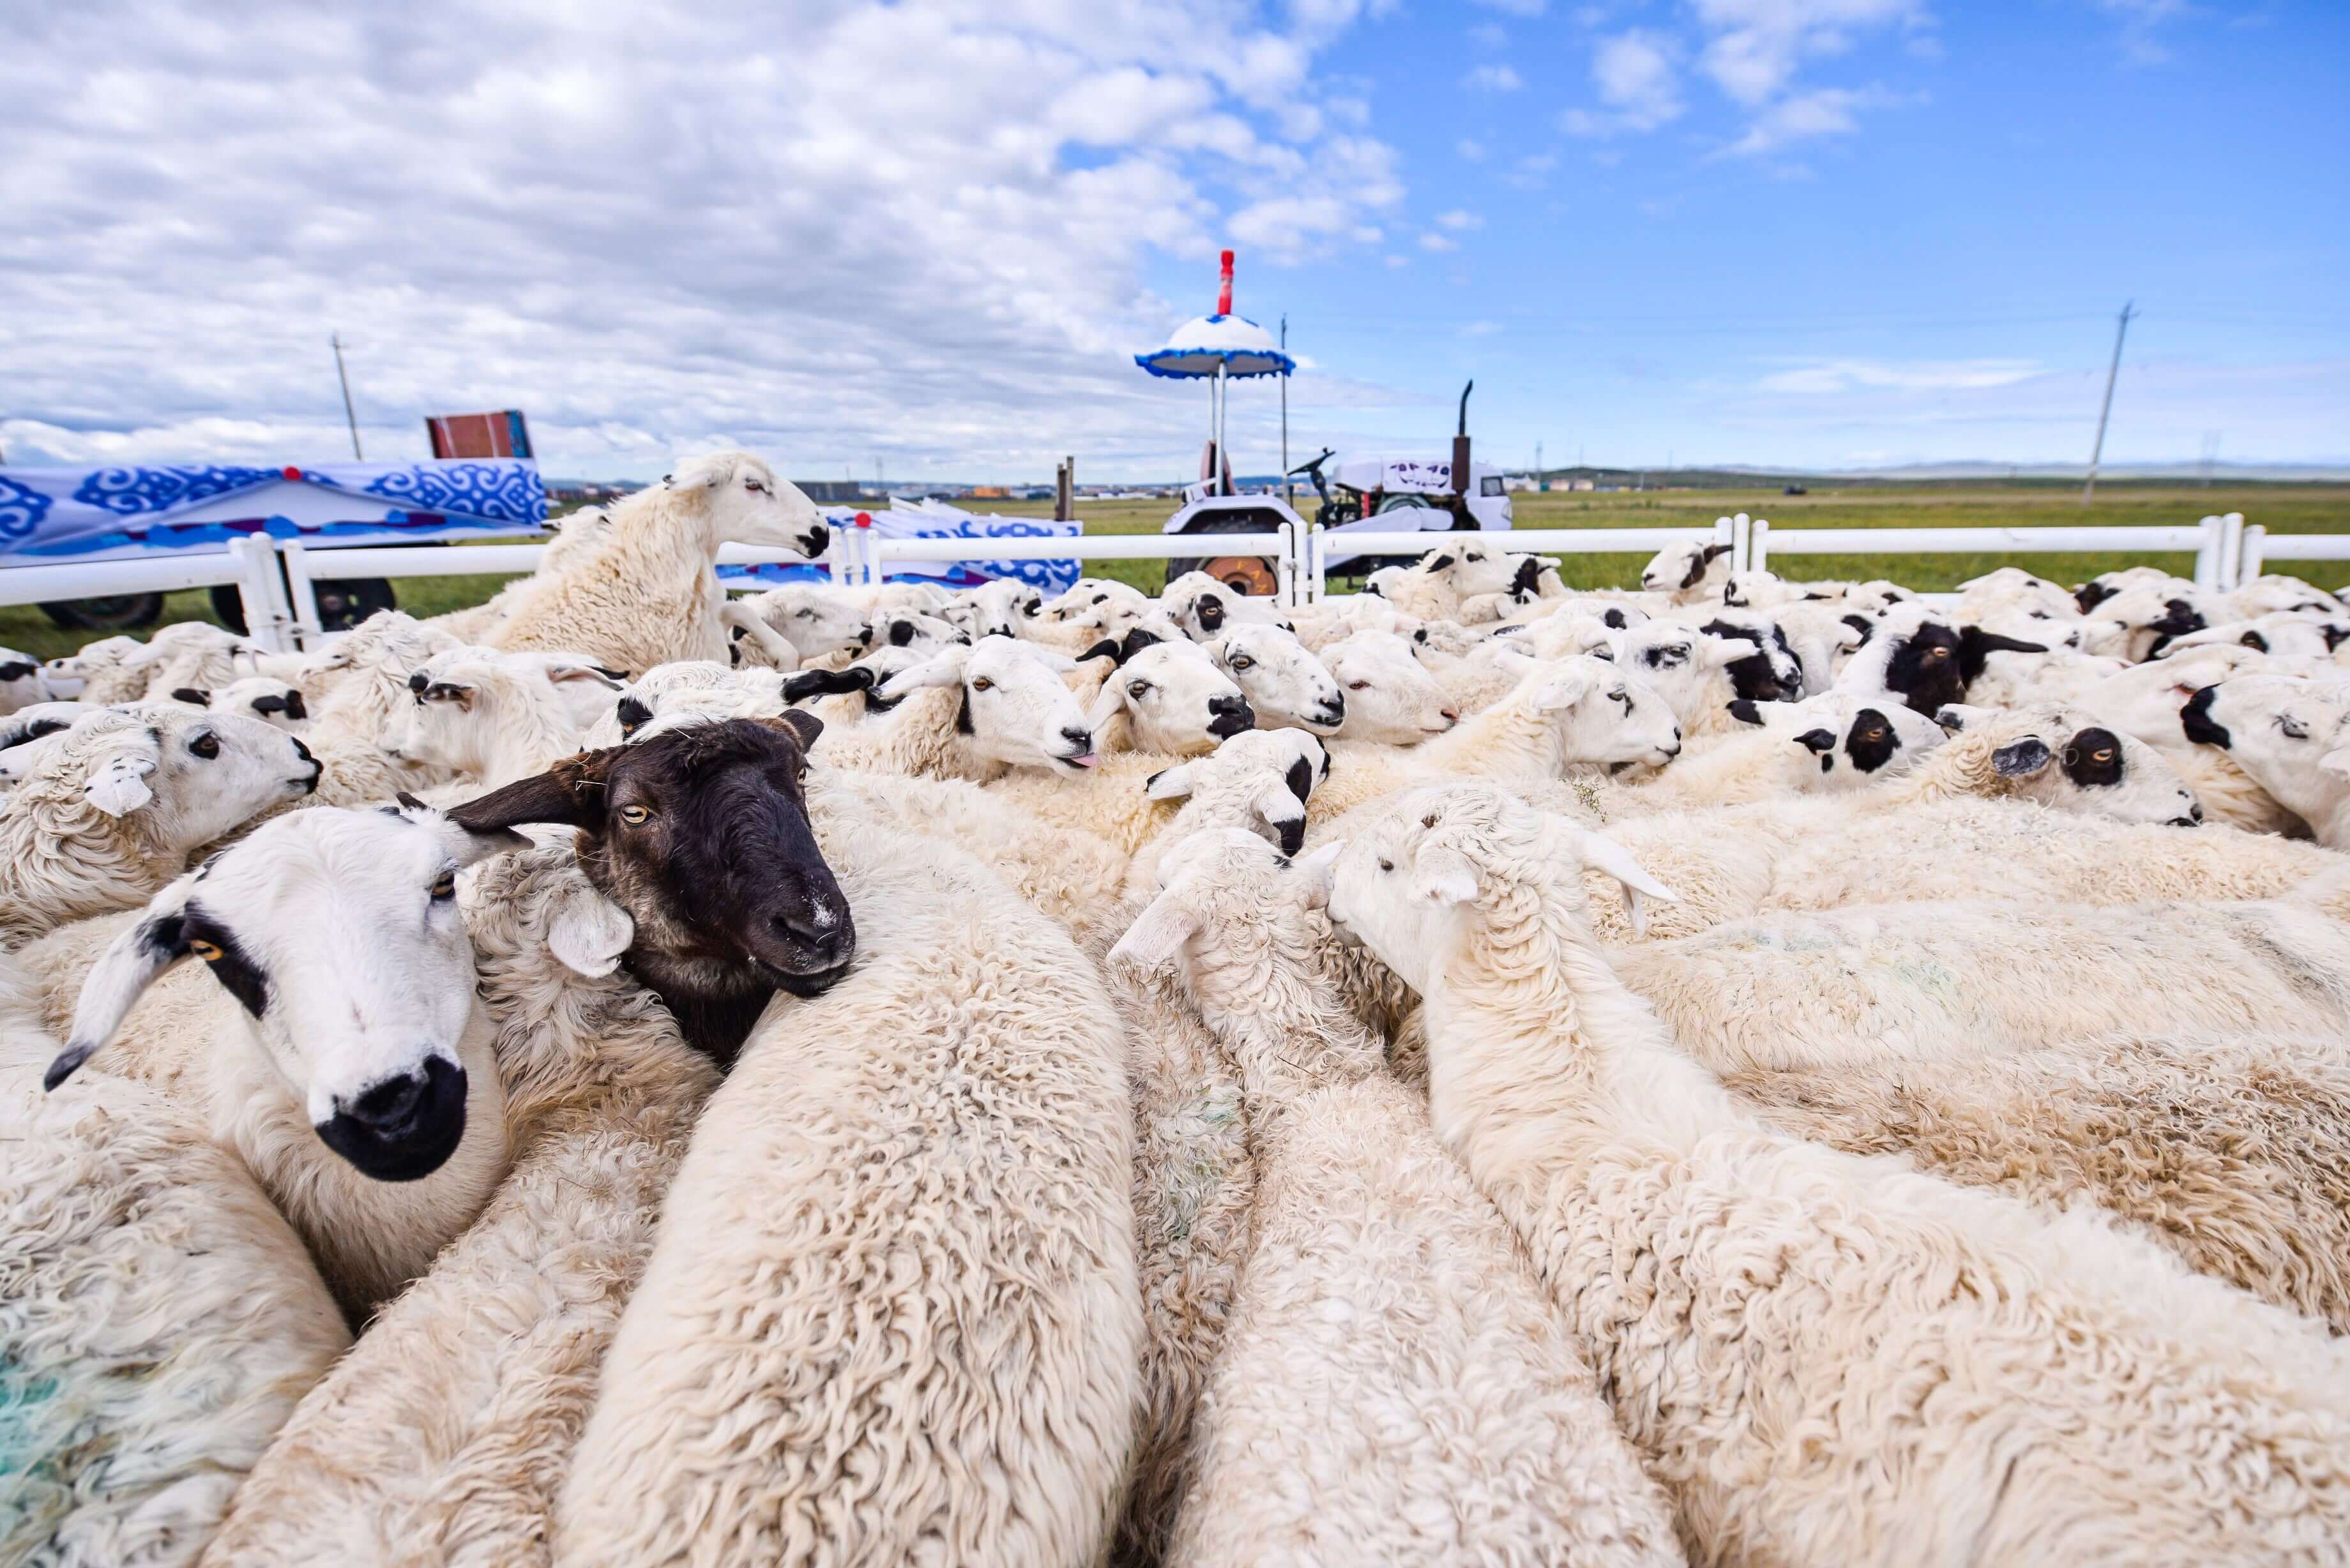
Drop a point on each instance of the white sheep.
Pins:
(1390, 698)
(2277, 592)
(1689, 669)
(1689, 572)
(1395, 1386)
(1204, 608)
(1285, 685)
(890, 1310)
(491, 721)
(2145, 700)
(1000, 606)
(2234, 1154)
(110, 809)
(1259, 779)
(648, 591)
(108, 669)
(161, 1317)
(343, 1053)
(279, 704)
(1327, 621)
(444, 1436)
(1435, 586)
(702, 687)
(1565, 713)
(971, 712)
(36, 720)
(2291, 736)
(1831, 743)
(1973, 1379)
(22, 681)
(2288, 634)
(1164, 696)
(811, 618)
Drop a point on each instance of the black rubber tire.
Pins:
(342, 605)
(123, 612)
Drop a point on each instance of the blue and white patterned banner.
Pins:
(51, 514)
(937, 520)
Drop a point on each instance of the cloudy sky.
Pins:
(1825, 233)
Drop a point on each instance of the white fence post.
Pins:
(305, 594)
(1285, 568)
(2232, 551)
(1741, 542)
(2247, 564)
(1758, 546)
(2206, 556)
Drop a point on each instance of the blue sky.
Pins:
(929, 235)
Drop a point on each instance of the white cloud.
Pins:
(1486, 35)
(1438, 244)
(1533, 171)
(1398, 261)
(1528, 8)
(1492, 78)
(2141, 44)
(1636, 78)
(1459, 218)
(1755, 45)
(1470, 151)
(1833, 376)
(827, 230)
(1828, 111)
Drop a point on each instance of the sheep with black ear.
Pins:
(196, 653)
(264, 697)
(488, 722)
(971, 712)
(357, 684)
(110, 809)
(1000, 606)
(1434, 587)
(1830, 743)
(1205, 609)
(1327, 621)
(343, 1054)
(795, 623)
(1689, 573)
(701, 835)
(98, 672)
(1286, 687)
(1163, 695)
(687, 688)
(1921, 660)
(2290, 734)
(445, 1434)
(2145, 700)
(1448, 1417)
(36, 720)
(2287, 634)
(1258, 779)
(161, 1317)
(876, 1325)
(2138, 622)
(2066, 1390)
(22, 681)
(648, 591)
(2234, 1154)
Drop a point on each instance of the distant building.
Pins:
(833, 491)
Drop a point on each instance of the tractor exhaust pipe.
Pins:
(1461, 445)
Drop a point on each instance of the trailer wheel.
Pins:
(118, 613)
(1250, 574)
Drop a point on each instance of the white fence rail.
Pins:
(281, 606)
(2262, 548)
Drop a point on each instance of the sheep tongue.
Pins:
(1089, 760)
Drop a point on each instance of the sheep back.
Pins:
(891, 1314)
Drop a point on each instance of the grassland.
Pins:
(2282, 508)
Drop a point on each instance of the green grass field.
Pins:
(2282, 508)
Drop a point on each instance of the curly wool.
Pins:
(890, 1312)
(1941, 981)
(161, 1318)
(644, 592)
(1972, 1380)
(61, 858)
(444, 1437)
(2233, 1154)
(1395, 1386)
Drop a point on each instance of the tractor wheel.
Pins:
(1251, 575)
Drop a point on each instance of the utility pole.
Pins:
(1286, 486)
(2210, 455)
(2096, 452)
(349, 417)
(1538, 462)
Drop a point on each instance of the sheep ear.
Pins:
(587, 932)
(560, 673)
(1715, 552)
(943, 669)
(571, 793)
(1052, 659)
(1157, 933)
(805, 727)
(193, 696)
(1280, 807)
(1603, 854)
(455, 692)
(1108, 702)
(2335, 761)
(1442, 875)
(2022, 759)
(122, 972)
(1954, 717)
(117, 782)
(1316, 870)
(1170, 784)
(1715, 652)
(1561, 692)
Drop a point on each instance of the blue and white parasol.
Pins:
(1217, 349)
(1232, 345)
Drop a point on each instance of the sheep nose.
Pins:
(818, 927)
(404, 1127)
(1450, 715)
(1081, 739)
(1334, 707)
(818, 537)
(417, 682)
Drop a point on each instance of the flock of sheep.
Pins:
(1737, 1070)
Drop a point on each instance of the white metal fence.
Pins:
(282, 609)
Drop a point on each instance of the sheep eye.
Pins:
(445, 886)
(206, 745)
(1937, 653)
(1243, 661)
(753, 485)
(981, 684)
(2102, 754)
(2293, 729)
(1358, 685)
(1137, 687)
(635, 815)
(1386, 865)
(208, 951)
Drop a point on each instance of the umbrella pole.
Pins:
(1223, 458)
